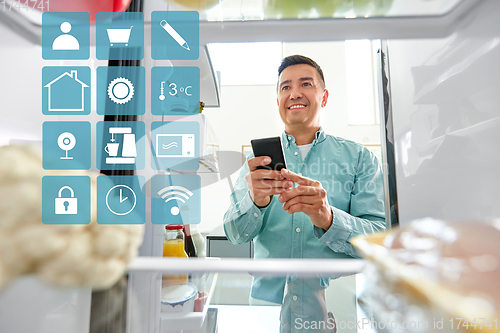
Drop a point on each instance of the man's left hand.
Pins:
(309, 197)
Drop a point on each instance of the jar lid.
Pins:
(173, 227)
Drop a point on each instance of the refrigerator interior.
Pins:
(441, 122)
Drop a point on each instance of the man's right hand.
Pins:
(264, 183)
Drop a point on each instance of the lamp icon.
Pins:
(66, 141)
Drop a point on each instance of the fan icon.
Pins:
(120, 90)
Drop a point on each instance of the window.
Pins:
(236, 62)
(362, 101)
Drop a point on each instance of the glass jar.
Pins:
(173, 241)
(173, 246)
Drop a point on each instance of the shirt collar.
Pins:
(319, 137)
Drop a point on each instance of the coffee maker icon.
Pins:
(129, 149)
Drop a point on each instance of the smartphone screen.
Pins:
(271, 147)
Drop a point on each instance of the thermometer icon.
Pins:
(162, 91)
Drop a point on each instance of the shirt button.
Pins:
(246, 235)
(289, 137)
(327, 242)
(295, 153)
(286, 145)
(298, 229)
(294, 297)
(255, 214)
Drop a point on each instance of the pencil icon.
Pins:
(175, 35)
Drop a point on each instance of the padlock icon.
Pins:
(66, 205)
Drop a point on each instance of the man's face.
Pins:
(301, 96)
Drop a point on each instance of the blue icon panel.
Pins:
(175, 90)
(66, 145)
(66, 200)
(175, 35)
(66, 90)
(65, 36)
(120, 145)
(120, 200)
(176, 199)
(119, 36)
(175, 145)
(121, 90)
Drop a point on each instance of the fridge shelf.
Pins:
(175, 322)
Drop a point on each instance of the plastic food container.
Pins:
(442, 274)
(178, 298)
(200, 301)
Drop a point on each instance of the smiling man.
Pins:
(331, 191)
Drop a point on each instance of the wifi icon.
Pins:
(175, 199)
(179, 193)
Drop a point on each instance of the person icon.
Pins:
(65, 42)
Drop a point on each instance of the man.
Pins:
(331, 191)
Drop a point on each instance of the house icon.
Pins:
(66, 93)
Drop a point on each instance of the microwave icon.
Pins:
(175, 145)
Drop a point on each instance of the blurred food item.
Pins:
(64, 255)
(120, 5)
(370, 8)
(463, 256)
(194, 4)
(90, 6)
(200, 301)
(444, 266)
(189, 247)
(199, 241)
(283, 9)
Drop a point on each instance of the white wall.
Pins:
(249, 112)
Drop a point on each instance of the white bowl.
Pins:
(178, 297)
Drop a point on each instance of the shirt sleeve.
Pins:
(367, 208)
(243, 220)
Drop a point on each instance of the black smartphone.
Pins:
(271, 147)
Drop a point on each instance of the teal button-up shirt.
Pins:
(352, 177)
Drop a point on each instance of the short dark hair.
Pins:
(298, 59)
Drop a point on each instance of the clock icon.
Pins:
(121, 200)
